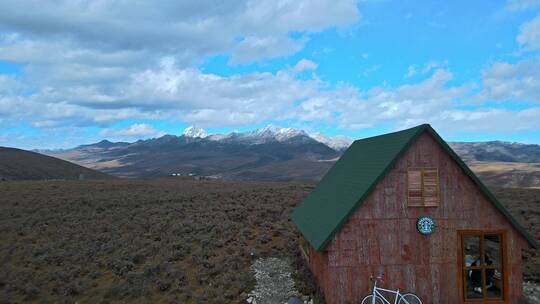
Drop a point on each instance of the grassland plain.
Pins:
(165, 240)
(141, 241)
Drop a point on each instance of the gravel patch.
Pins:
(531, 292)
(274, 282)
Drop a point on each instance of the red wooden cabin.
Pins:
(362, 220)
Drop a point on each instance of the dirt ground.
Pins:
(160, 240)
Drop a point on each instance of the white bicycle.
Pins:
(377, 297)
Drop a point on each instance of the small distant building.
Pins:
(405, 205)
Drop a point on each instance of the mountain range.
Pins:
(498, 151)
(277, 154)
(270, 153)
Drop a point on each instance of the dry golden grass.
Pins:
(507, 174)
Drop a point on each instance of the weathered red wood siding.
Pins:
(381, 236)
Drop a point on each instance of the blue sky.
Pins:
(75, 72)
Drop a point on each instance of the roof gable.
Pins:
(354, 176)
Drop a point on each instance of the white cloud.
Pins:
(48, 108)
(186, 29)
(253, 48)
(134, 131)
(96, 63)
(99, 63)
(223, 118)
(505, 81)
(353, 109)
(529, 34)
(167, 91)
(430, 66)
(433, 65)
(10, 84)
(488, 120)
(520, 5)
(411, 71)
(305, 65)
(208, 100)
(196, 94)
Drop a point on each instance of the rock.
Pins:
(531, 292)
(295, 300)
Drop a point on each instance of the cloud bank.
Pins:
(99, 63)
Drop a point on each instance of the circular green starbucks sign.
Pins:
(425, 225)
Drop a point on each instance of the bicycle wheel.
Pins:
(370, 300)
(409, 298)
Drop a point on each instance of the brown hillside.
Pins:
(17, 164)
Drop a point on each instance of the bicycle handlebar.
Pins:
(378, 278)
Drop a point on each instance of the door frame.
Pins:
(461, 278)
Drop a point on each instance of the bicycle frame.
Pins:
(377, 292)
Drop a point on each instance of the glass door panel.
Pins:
(492, 250)
(471, 246)
(473, 283)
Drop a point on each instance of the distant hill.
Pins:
(500, 163)
(497, 151)
(17, 164)
(509, 174)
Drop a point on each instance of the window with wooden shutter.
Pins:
(423, 187)
(430, 187)
(414, 180)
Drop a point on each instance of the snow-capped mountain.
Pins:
(270, 133)
(275, 132)
(194, 132)
(269, 153)
(337, 143)
(267, 134)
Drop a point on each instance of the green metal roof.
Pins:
(348, 183)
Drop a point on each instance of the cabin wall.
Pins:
(381, 236)
(318, 264)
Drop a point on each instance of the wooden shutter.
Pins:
(430, 187)
(414, 187)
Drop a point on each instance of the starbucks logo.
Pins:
(425, 225)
